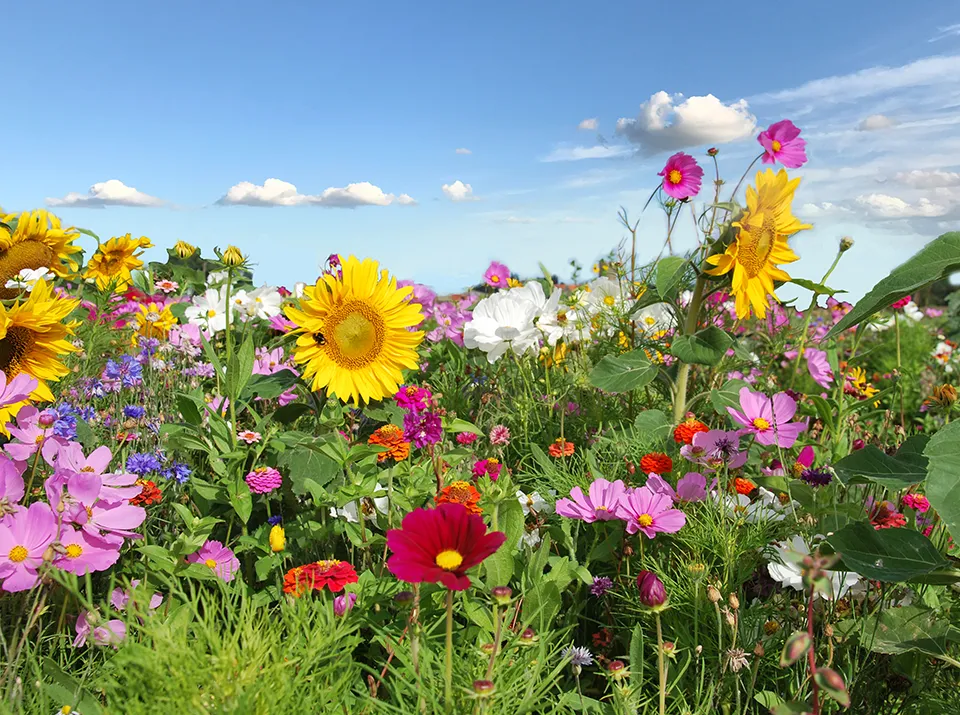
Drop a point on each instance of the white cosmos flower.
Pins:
(351, 512)
(27, 278)
(216, 278)
(265, 302)
(655, 318)
(529, 538)
(209, 310)
(535, 502)
(911, 311)
(767, 507)
(784, 569)
(239, 302)
(608, 294)
(500, 322)
(298, 289)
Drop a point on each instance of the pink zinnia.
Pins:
(818, 366)
(599, 503)
(218, 558)
(497, 275)
(264, 480)
(902, 303)
(500, 435)
(248, 436)
(413, 398)
(917, 502)
(650, 512)
(466, 438)
(681, 176)
(83, 553)
(24, 537)
(110, 632)
(490, 467)
(782, 143)
(768, 419)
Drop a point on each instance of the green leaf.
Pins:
(817, 288)
(706, 347)
(891, 555)
(498, 569)
(871, 464)
(188, 408)
(943, 476)
(541, 604)
(458, 425)
(937, 260)
(306, 462)
(288, 414)
(240, 368)
(653, 425)
(909, 628)
(241, 499)
(768, 698)
(85, 435)
(65, 690)
(268, 387)
(670, 272)
(727, 396)
(623, 373)
(636, 656)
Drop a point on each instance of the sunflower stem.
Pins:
(683, 372)
(448, 670)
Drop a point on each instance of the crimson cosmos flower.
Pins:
(440, 545)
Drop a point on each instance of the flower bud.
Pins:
(184, 249)
(713, 595)
(846, 243)
(696, 571)
(734, 601)
(831, 682)
(501, 595)
(713, 151)
(758, 649)
(404, 599)
(670, 649)
(771, 627)
(483, 688)
(617, 669)
(232, 256)
(528, 637)
(47, 418)
(652, 592)
(795, 648)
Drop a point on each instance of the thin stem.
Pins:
(448, 673)
(811, 657)
(733, 196)
(496, 639)
(661, 667)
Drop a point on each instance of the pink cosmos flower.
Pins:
(902, 303)
(219, 558)
(270, 362)
(781, 142)
(24, 537)
(110, 633)
(113, 487)
(600, 503)
(650, 513)
(11, 483)
(31, 436)
(818, 366)
(421, 294)
(496, 275)
(682, 176)
(249, 436)
(81, 553)
(715, 449)
(17, 390)
(692, 487)
(120, 598)
(264, 480)
(343, 603)
(281, 324)
(768, 419)
(96, 516)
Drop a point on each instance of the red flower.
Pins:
(684, 432)
(333, 574)
(149, 493)
(440, 545)
(885, 516)
(560, 448)
(460, 493)
(656, 463)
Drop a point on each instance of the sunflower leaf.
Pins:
(706, 347)
(623, 373)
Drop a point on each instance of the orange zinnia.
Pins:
(743, 486)
(656, 463)
(560, 448)
(391, 437)
(460, 493)
(684, 432)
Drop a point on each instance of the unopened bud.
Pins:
(528, 637)
(652, 592)
(617, 669)
(696, 570)
(713, 595)
(795, 648)
(404, 599)
(501, 595)
(670, 649)
(47, 418)
(846, 243)
(733, 601)
(232, 256)
(483, 688)
(758, 649)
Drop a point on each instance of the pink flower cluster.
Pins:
(270, 362)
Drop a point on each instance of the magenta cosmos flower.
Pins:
(819, 366)
(120, 598)
(113, 487)
(682, 176)
(109, 632)
(218, 558)
(715, 449)
(768, 419)
(497, 275)
(599, 504)
(781, 142)
(81, 553)
(650, 512)
(24, 537)
(17, 390)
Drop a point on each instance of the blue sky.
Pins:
(363, 109)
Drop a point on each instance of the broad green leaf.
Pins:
(938, 259)
(288, 414)
(871, 464)
(891, 555)
(623, 373)
(899, 630)
(63, 689)
(636, 656)
(653, 425)
(268, 387)
(85, 435)
(189, 410)
(240, 368)
(670, 272)
(241, 499)
(306, 462)
(943, 476)
(498, 569)
(706, 347)
(458, 425)
(727, 396)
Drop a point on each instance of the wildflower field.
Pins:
(653, 489)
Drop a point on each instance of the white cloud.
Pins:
(948, 31)
(929, 179)
(107, 193)
(275, 192)
(462, 150)
(577, 153)
(589, 124)
(824, 208)
(663, 125)
(885, 206)
(458, 191)
(875, 122)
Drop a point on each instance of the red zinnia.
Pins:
(560, 448)
(333, 574)
(885, 516)
(440, 545)
(656, 463)
(684, 432)
(148, 495)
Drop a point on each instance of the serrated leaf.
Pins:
(706, 347)
(871, 464)
(943, 476)
(669, 276)
(623, 373)
(891, 555)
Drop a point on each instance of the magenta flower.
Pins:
(902, 303)
(24, 537)
(217, 557)
(450, 320)
(715, 449)
(692, 487)
(120, 598)
(818, 366)
(32, 436)
(500, 435)
(113, 487)
(81, 553)
(264, 480)
(343, 603)
(490, 467)
(413, 398)
(421, 294)
(496, 275)
(682, 176)
(599, 504)
(651, 589)
(649, 512)
(11, 483)
(781, 142)
(768, 419)
(466, 438)
(111, 632)
(422, 428)
(281, 323)
(17, 390)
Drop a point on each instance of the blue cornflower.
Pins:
(87, 414)
(95, 389)
(178, 471)
(274, 520)
(142, 463)
(134, 412)
(127, 370)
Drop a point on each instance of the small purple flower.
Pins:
(134, 412)
(275, 520)
(578, 655)
(601, 584)
(422, 429)
(819, 477)
(343, 603)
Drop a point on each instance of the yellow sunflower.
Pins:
(37, 241)
(115, 260)
(354, 339)
(761, 245)
(33, 336)
(153, 322)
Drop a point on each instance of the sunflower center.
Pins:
(13, 349)
(761, 424)
(754, 249)
(112, 262)
(28, 254)
(74, 550)
(356, 334)
(210, 563)
(449, 560)
(775, 145)
(674, 177)
(17, 554)
(644, 520)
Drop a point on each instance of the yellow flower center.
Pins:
(609, 300)
(494, 279)
(674, 177)
(18, 554)
(28, 254)
(644, 520)
(210, 563)
(601, 508)
(356, 333)
(775, 145)
(14, 348)
(753, 250)
(74, 551)
(449, 560)
(86, 469)
(761, 424)
(211, 313)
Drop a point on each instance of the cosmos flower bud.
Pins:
(501, 595)
(528, 637)
(696, 570)
(713, 151)
(831, 682)
(232, 256)
(184, 249)
(795, 648)
(670, 649)
(734, 601)
(47, 418)
(859, 444)
(652, 592)
(846, 243)
(758, 649)
(617, 669)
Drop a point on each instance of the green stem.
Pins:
(662, 668)
(683, 372)
(448, 671)
(228, 337)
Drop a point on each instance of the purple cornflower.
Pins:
(817, 477)
(422, 428)
(142, 463)
(128, 372)
(134, 412)
(274, 520)
(601, 584)
(65, 424)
